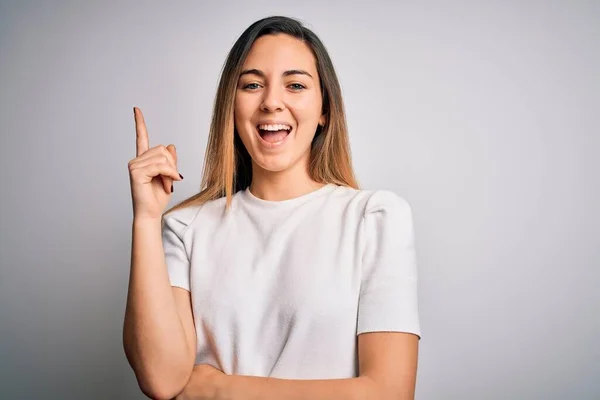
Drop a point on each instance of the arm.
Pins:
(255, 388)
(158, 333)
(387, 365)
(389, 360)
(209, 383)
(387, 370)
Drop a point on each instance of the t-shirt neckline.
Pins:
(252, 199)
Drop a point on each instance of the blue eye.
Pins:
(295, 86)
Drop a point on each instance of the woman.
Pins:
(280, 279)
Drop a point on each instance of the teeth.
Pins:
(277, 127)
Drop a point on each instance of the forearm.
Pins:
(153, 336)
(238, 387)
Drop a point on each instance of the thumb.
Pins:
(171, 149)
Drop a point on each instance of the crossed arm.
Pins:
(387, 370)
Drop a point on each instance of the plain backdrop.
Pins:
(482, 115)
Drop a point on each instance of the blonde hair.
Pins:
(227, 164)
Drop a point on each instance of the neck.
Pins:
(282, 185)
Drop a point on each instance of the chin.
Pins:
(274, 165)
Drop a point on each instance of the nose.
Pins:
(272, 100)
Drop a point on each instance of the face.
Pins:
(278, 103)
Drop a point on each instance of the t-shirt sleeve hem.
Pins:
(179, 280)
(175, 226)
(385, 328)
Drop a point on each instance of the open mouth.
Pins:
(274, 134)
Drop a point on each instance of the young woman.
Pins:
(280, 279)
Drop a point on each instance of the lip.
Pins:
(272, 122)
(268, 145)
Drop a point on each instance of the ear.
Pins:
(322, 120)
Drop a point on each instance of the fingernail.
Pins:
(171, 188)
(181, 176)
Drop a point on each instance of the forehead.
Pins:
(280, 52)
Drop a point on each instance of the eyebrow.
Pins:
(285, 73)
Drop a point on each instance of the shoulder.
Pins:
(182, 219)
(388, 220)
(386, 201)
(209, 214)
(179, 220)
(373, 201)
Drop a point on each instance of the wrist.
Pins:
(146, 221)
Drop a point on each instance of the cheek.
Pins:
(246, 103)
(306, 109)
(243, 111)
(240, 119)
(238, 107)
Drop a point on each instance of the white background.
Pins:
(482, 115)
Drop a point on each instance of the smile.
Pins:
(273, 138)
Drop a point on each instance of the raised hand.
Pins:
(151, 173)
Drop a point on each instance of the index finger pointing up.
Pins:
(141, 134)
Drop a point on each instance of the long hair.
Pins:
(227, 164)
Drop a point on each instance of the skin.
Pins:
(282, 172)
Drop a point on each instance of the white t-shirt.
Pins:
(283, 288)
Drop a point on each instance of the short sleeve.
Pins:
(178, 264)
(388, 295)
